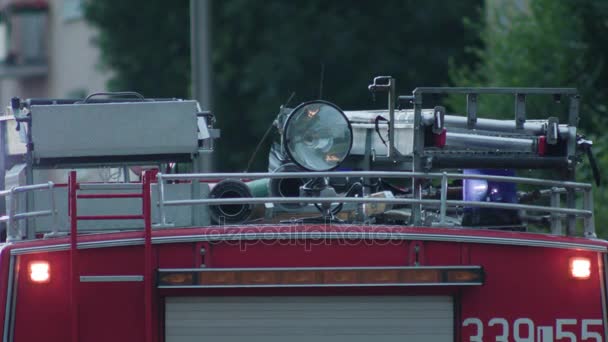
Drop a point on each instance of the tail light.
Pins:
(580, 268)
(40, 272)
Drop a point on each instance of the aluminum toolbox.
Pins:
(132, 129)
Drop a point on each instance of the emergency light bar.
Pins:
(321, 277)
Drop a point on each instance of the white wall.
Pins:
(73, 58)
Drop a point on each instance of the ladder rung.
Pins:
(110, 217)
(109, 196)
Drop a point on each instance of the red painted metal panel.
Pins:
(177, 255)
(111, 312)
(105, 309)
(43, 311)
(530, 289)
(300, 253)
(124, 260)
(524, 285)
(442, 253)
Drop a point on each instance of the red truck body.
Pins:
(527, 290)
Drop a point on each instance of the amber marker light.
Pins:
(40, 272)
(580, 268)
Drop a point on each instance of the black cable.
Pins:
(257, 148)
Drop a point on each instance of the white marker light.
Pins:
(580, 268)
(40, 272)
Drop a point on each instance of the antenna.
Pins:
(257, 148)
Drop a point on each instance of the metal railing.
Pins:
(14, 231)
(555, 189)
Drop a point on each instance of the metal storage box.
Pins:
(113, 130)
(362, 123)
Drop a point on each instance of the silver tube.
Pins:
(444, 198)
(589, 221)
(515, 206)
(25, 188)
(11, 225)
(55, 227)
(29, 214)
(531, 181)
(375, 174)
(161, 198)
(434, 203)
(530, 127)
(111, 186)
(474, 141)
(556, 220)
(392, 151)
(5, 192)
(571, 219)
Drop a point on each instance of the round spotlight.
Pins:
(317, 136)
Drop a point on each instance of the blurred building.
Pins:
(46, 50)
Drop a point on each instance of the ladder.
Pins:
(73, 194)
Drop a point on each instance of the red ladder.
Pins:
(73, 187)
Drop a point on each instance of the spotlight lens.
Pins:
(318, 136)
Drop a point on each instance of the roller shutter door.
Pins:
(316, 319)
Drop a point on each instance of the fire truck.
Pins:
(406, 223)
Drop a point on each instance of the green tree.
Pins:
(144, 44)
(545, 43)
(265, 50)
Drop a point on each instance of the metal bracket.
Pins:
(387, 83)
(552, 130)
(520, 110)
(471, 110)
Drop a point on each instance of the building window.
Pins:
(72, 10)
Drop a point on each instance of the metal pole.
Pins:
(391, 124)
(556, 220)
(589, 231)
(148, 272)
(417, 159)
(74, 278)
(3, 167)
(200, 54)
(444, 198)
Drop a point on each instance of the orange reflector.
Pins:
(40, 272)
(322, 276)
(580, 268)
(461, 276)
(218, 278)
(177, 278)
(422, 276)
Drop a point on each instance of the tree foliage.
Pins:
(144, 44)
(545, 43)
(265, 50)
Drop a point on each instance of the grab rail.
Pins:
(586, 213)
(13, 231)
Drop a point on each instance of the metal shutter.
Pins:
(316, 319)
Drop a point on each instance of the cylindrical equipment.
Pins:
(230, 213)
(486, 142)
(287, 187)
